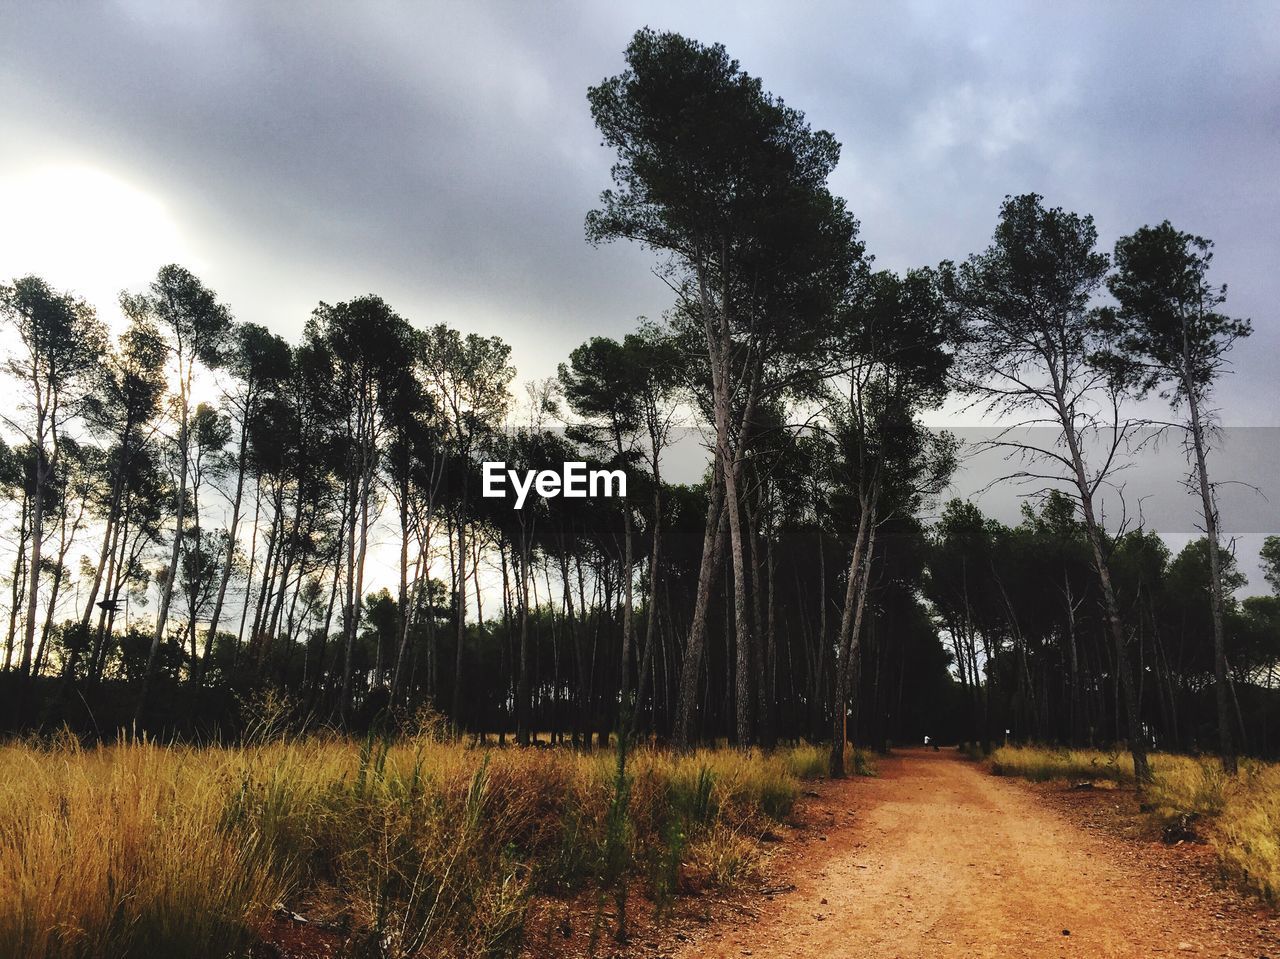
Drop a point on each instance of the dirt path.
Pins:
(937, 858)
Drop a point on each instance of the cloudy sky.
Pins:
(442, 155)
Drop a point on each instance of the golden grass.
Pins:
(1240, 815)
(415, 847)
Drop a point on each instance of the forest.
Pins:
(194, 507)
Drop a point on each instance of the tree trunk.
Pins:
(763, 665)
(216, 615)
(1137, 748)
(524, 689)
(460, 592)
(690, 670)
(352, 603)
(651, 615)
(33, 569)
(850, 625)
(628, 603)
(742, 628)
(1226, 748)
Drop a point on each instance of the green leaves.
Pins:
(727, 179)
(186, 311)
(63, 340)
(1171, 336)
(1025, 300)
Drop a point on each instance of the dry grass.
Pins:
(1240, 815)
(1248, 828)
(1041, 765)
(412, 848)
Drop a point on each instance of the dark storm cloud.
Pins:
(445, 159)
(442, 154)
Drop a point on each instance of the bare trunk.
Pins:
(523, 687)
(406, 602)
(351, 597)
(33, 567)
(847, 641)
(460, 592)
(18, 585)
(742, 628)
(690, 670)
(216, 615)
(760, 645)
(1141, 768)
(651, 615)
(1226, 748)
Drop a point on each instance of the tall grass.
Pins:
(1040, 764)
(1240, 815)
(409, 848)
(125, 852)
(811, 762)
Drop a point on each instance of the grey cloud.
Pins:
(443, 154)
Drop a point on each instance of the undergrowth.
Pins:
(1239, 815)
(412, 847)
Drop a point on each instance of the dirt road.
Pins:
(937, 858)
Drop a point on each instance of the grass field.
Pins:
(417, 847)
(1240, 815)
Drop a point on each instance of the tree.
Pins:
(1173, 339)
(893, 361)
(469, 377)
(414, 469)
(74, 487)
(210, 432)
(194, 326)
(655, 362)
(963, 548)
(365, 344)
(259, 362)
(1030, 350)
(602, 382)
(730, 183)
(61, 344)
(1270, 555)
(126, 403)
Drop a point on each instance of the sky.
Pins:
(442, 154)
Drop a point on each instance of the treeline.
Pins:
(197, 506)
(1020, 610)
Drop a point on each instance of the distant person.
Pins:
(927, 742)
